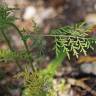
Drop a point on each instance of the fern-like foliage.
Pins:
(35, 83)
(69, 39)
(7, 55)
(5, 16)
(7, 22)
(38, 44)
(73, 39)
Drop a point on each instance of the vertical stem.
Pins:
(21, 35)
(8, 42)
(53, 65)
(25, 44)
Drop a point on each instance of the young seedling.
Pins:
(68, 41)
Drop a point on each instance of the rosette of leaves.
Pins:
(73, 40)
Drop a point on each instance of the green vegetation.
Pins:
(68, 40)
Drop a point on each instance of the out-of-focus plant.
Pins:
(35, 83)
(7, 55)
(6, 22)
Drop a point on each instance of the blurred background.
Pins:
(50, 14)
(47, 14)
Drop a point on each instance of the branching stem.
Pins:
(9, 45)
(25, 44)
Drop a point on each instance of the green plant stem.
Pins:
(21, 35)
(7, 40)
(53, 65)
(25, 44)
(57, 35)
(8, 43)
(54, 35)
